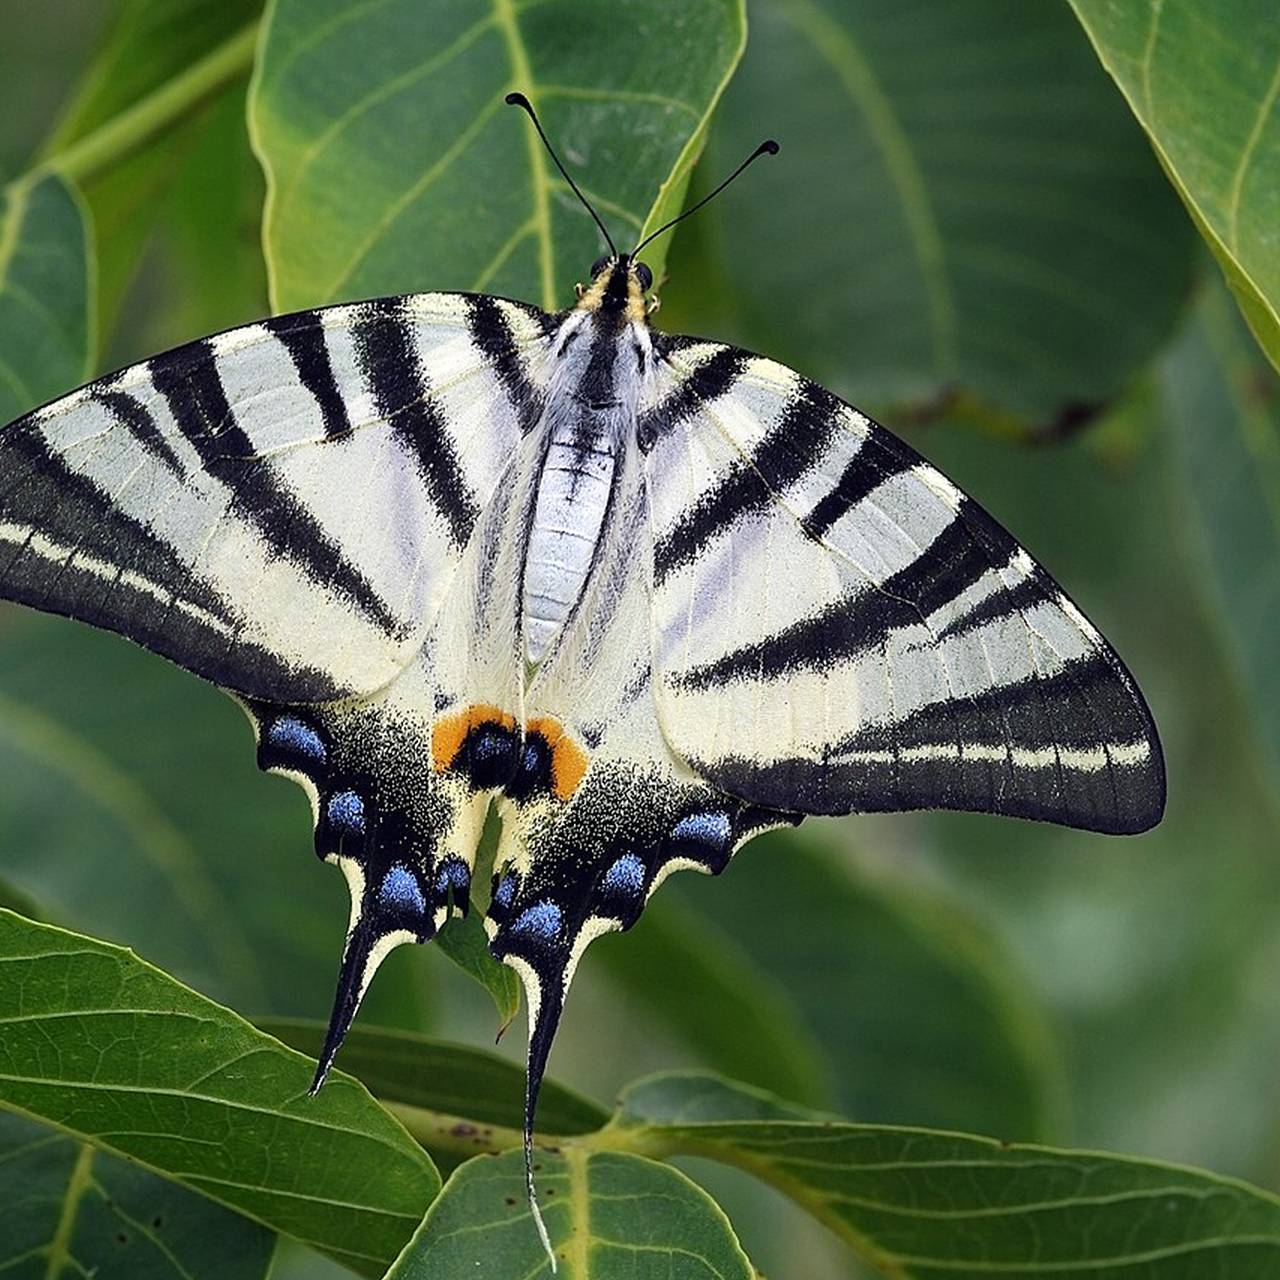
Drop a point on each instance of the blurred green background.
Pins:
(1087, 379)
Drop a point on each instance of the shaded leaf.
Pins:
(960, 217)
(1223, 402)
(113, 1051)
(920, 1203)
(456, 1080)
(394, 166)
(915, 1010)
(46, 286)
(1203, 77)
(150, 43)
(66, 1208)
(202, 271)
(142, 817)
(465, 942)
(608, 1214)
(690, 970)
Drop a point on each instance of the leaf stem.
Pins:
(158, 111)
(439, 1131)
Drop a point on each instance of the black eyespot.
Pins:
(645, 276)
(599, 265)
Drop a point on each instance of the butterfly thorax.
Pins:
(600, 357)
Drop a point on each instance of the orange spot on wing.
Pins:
(568, 760)
(450, 732)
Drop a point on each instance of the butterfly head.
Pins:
(617, 289)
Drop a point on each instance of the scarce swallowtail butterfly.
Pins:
(650, 594)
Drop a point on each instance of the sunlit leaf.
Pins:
(959, 218)
(68, 1209)
(115, 1052)
(610, 1216)
(1201, 77)
(394, 166)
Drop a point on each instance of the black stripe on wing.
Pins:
(708, 381)
(189, 381)
(303, 337)
(84, 558)
(140, 423)
(1077, 747)
(865, 619)
(386, 349)
(492, 333)
(782, 456)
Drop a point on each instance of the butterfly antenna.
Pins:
(519, 100)
(767, 147)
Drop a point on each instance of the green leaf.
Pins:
(394, 166)
(466, 944)
(610, 1216)
(960, 217)
(46, 287)
(1223, 402)
(141, 816)
(151, 43)
(1201, 76)
(66, 1209)
(917, 1013)
(117, 1053)
(690, 972)
(920, 1203)
(455, 1080)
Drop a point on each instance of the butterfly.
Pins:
(648, 594)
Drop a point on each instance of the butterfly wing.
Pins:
(837, 628)
(280, 508)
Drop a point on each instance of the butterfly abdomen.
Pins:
(589, 417)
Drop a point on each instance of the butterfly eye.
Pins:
(599, 265)
(645, 276)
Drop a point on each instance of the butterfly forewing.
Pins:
(837, 628)
(279, 508)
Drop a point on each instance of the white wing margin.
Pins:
(837, 628)
(278, 508)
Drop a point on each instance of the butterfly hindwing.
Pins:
(279, 508)
(838, 628)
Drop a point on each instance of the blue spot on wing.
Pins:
(453, 874)
(708, 830)
(505, 891)
(346, 812)
(626, 876)
(291, 735)
(400, 890)
(542, 920)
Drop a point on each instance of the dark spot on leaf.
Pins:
(510, 1199)
(1072, 417)
(463, 1130)
(157, 1222)
(121, 1238)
